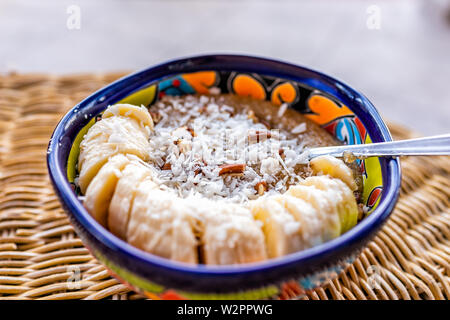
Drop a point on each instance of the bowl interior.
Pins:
(321, 107)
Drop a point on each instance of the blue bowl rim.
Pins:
(366, 112)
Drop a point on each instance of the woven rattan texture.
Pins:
(41, 257)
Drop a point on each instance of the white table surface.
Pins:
(403, 67)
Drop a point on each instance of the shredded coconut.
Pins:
(282, 110)
(300, 128)
(196, 135)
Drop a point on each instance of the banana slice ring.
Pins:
(158, 225)
(106, 138)
(325, 207)
(341, 194)
(122, 201)
(282, 231)
(328, 165)
(101, 189)
(140, 114)
(306, 215)
(232, 236)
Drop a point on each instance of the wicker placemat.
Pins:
(42, 258)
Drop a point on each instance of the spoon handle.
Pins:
(427, 146)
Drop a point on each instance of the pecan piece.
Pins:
(197, 169)
(156, 117)
(281, 153)
(261, 187)
(166, 166)
(191, 131)
(183, 145)
(251, 115)
(235, 169)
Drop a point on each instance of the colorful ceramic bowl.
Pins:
(335, 106)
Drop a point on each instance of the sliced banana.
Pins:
(232, 236)
(158, 225)
(339, 192)
(140, 114)
(124, 133)
(281, 230)
(336, 168)
(94, 138)
(325, 207)
(112, 130)
(100, 191)
(307, 216)
(121, 203)
(106, 138)
(93, 162)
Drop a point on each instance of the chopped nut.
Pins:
(235, 169)
(203, 109)
(166, 166)
(251, 115)
(182, 138)
(182, 133)
(281, 153)
(156, 117)
(184, 145)
(197, 169)
(191, 131)
(261, 187)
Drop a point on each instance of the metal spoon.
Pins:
(427, 146)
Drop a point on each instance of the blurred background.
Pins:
(396, 52)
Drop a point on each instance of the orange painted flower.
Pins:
(201, 81)
(284, 92)
(325, 110)
(245, 85)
